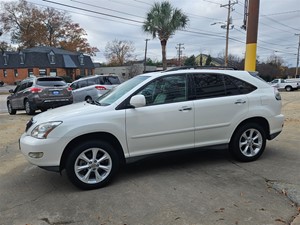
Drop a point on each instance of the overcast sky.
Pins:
(278, 23)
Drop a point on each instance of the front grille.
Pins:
(29, 124)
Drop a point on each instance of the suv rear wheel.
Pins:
(92, 164)
(28, 108)
(248, 142)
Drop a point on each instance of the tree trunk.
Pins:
(163, 51)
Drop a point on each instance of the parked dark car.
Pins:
(39, 93)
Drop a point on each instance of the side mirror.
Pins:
(11, 91)
(138, 101)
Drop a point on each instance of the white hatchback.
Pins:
(155, 113)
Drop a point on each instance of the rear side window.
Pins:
(219, 85)
(113, 80)
(51, 82)
(209, 85)
(109, 80)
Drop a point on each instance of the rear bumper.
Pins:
(51, 103)
(276, 126)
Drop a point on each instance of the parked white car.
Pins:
(288, 85)
(155, 113)
(92, 87)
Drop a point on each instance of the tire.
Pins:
(10, 109)
(288, 88)
(88, 99)
(92, 164)
(248, 142)
(28, 108)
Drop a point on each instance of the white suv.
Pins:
(154, 113)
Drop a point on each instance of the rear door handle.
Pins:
(185, 108)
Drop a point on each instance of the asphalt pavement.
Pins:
(4, 92)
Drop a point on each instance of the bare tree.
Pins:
(119, 52)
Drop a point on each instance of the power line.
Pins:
(91, 11)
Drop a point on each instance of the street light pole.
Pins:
(297, 64)
(145, 59)
(227, 34)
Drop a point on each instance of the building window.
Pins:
(81, 59)
(4, 73)
(5, 58)
(52, 57)
(53, 72)
(30, 73)
(82, 72)
(43, 72)
(22, 58)
(16, 73)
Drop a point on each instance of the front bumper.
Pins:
(52, 150)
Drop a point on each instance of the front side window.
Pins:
(166, 90)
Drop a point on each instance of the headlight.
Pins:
(42, 130)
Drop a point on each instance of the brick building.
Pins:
(43, 61)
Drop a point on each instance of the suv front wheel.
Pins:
(248, 142)
(10, 109)
(92, 164)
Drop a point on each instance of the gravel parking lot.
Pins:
(183, 188)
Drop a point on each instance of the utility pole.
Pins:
(252, 30)
(145, 59)
(179, 52)
(229, 5)
(297, 64)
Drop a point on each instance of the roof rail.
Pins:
(200, 67)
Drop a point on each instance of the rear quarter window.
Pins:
(235, 86)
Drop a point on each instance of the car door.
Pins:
(166, 123)
(78, 90)
(18, 96)
(219, 106)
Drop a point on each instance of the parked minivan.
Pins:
(91, 87)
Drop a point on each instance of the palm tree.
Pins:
(162, 21)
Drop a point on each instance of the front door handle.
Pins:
(185, 108)
(240, 101)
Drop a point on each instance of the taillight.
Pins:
(69, 89)
(100, 88)
(35, 90)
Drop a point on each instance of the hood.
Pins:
(69, 111)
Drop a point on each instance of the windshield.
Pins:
(117, 92)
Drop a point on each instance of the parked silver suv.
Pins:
(91, 87)
(39, 93)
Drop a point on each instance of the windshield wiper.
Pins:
(93, 102)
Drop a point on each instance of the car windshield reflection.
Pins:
(114, 94)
